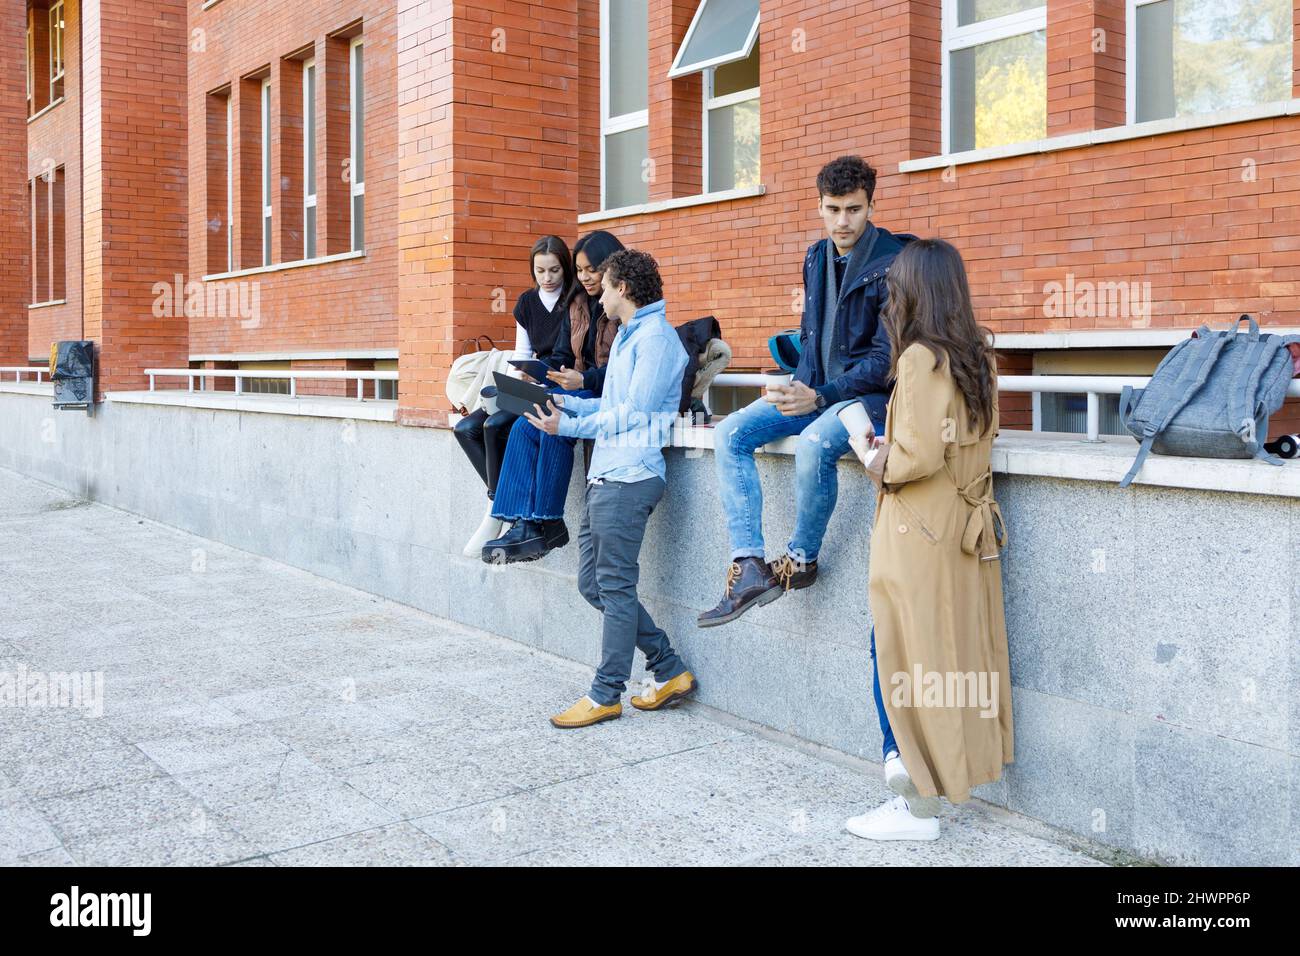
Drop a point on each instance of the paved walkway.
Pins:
(257, 715)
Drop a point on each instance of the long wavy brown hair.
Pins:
(929, 302)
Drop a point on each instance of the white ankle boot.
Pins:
(489, 529)
(893, 821)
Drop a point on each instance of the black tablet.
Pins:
(534, 367)
(519, 397)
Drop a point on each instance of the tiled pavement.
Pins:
(254, 714)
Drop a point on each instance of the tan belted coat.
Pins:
(936, 587)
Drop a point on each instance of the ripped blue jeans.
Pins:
(822, 442)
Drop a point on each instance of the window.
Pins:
(309, 158)
(995, 73)
(731, 127)
(230, 183)
(722, 42)
(1068, 412)
(357, 143)
(624, 98)
(58, 213)
(49, 279)
(40, 207)
(56, 50)
(722, 31)
(266, 386)
(266, 172)
(1201, 56)
(31, 68)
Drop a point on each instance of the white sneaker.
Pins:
(893, 821)
(900, 781)
(490, 529)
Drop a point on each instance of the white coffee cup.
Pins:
(776, 381)
(855, 419)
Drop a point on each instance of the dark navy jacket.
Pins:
(863, 341)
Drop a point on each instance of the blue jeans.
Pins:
(888, 731)
(535, 474)
(822, 442)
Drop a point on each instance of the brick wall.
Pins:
(350, 304)
(15, 236)
(134, 135)
(1210, 217)
(489, 161)
(54, 140)
(482, 132)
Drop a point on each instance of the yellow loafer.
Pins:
(656, 697)
(584, 714)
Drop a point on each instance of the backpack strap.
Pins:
(1241, 398)
(1199, 365)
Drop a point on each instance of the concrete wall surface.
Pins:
(1153, 630)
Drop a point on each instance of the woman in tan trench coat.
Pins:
(935, 578)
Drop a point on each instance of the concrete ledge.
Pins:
(29, 388)
(1054, 455)
(318, 406)
(1058, 455)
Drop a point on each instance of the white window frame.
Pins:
(230, 183)
(355, 132)
(712, 102)
(56, 45)
(624, 122)
(308, 137)
(678, 70)
(268, 235)
(957, 38)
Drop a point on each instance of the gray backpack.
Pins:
(1211, 396)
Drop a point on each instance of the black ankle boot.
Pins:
(494, 551)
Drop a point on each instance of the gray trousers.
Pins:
(609, 547)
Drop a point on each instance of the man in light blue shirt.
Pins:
(631, 422)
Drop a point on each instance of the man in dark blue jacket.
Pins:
(845, 358)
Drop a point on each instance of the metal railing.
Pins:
(239, 375)
(1093, 386)
(20, 370)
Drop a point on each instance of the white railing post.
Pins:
(1094, 417)
(239, 384)
(151, 383)
(293, 387)
(361, 385)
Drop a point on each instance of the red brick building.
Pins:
(355, 183)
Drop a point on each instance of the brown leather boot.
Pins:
(749, 582)
(794, 574)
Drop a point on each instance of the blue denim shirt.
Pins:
(632, 419)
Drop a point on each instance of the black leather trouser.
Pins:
(483, 438)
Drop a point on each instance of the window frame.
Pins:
(624, 122)
(955, 39)
(31, 66)
(310, 78)
(356, 137)
(56, 46)
(268, 217)
(711, 102)
(677, 69)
